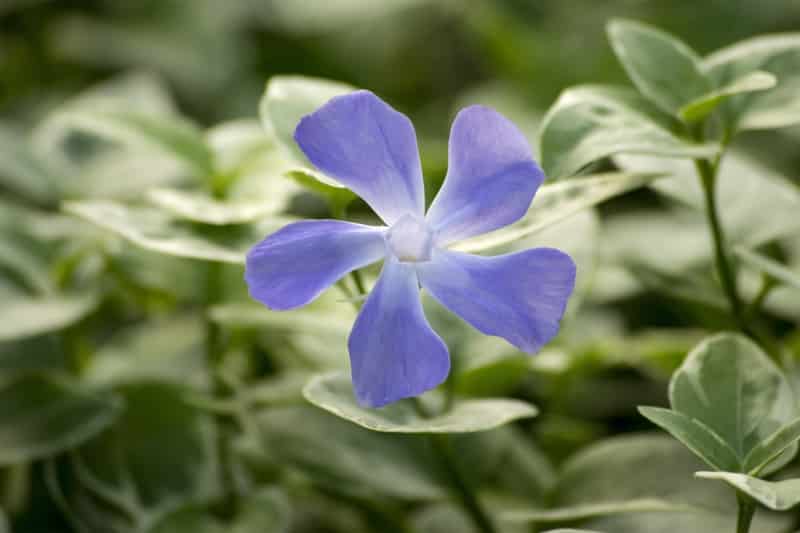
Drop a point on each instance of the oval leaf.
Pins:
(22, 317)
(203, 208)
(664, 69)
(44, 414)
(588, 123)
(334, 393)
(772, 447)
(733, 388)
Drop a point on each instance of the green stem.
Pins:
(708, 175)
(747, 509)
(767, 284)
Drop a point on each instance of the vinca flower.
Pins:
(370, 148)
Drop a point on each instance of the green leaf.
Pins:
(24, 316)
(251, 315)
(338, 197)
(556, 201)
(778, 55)
(287, 99)
(160, 457)
(772, 447)
(22, 171)
(590, 122)
(706, 444)
(699, 108)
(346, 458)
(772, 268)
(203, 208)
(664, 69)
(592, 510)
(171, 134)
(776, 495)
(734, 389)
(334, 393)
(42, 415)
(156, 231)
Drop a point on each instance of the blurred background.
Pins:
(208, 61)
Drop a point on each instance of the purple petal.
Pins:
(520, 297)
(295, 264)
(362, 142)
(394, 353)
(491, 176)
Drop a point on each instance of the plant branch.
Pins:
(747, 509)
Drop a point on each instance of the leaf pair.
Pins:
(752, 84)
(732, 407)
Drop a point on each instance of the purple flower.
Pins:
(370, 148)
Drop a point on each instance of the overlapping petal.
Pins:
(294, 265)
(370, 148)
(491, 177)
(520, 297)
(394, 353)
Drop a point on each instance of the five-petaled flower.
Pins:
(370, 148)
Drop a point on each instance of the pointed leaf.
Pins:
(778, 55)
(334, 393)
(588, 123)
(203, 208)
(555, 202)
(699, 108)
(776, 495)
(772, 447)
(42, 415)
(23, 316)
(664, 69)
(707, 445)
(592, 510)
(769, 266)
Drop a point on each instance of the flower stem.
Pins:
(747, 509)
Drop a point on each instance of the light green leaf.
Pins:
(201, 207)
(772, 447)
(664, 69)
(346, 458)
(338, 197)
(251, 315)
(171, 134)
(155, 230)
(706, 444)
(42, 415)
(557, 201)
(288, 99)
(22, 171)
(334, 393)
(590, 122)
(777, 54)
(769, 266)
(776, 495)
(25, 316)
(592, 510)
(699, 108)
(734, 389)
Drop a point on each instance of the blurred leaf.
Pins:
(776, 495)
(172, 134)
(772, 447)
(346, 458)
(22, 171)
(664, 69)
(334, 393)
(160, 457)
(768, 266)
(777, 54)
(590, 122)
(696, 436)
(154, 230)
(288, 99)
(25, 316)
(30, 269)
(252, 315)
(201, 207)
(42, 415)
(555, 202)
(592, 510)
(745, 191)
(338, 197)
(699, 108)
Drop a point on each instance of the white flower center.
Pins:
(410, 240)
